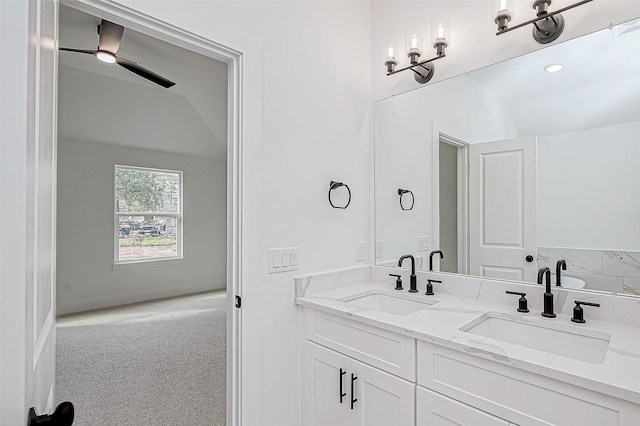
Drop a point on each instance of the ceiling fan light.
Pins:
(106, 57)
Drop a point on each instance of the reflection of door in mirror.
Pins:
(502, 209)
(452, 160)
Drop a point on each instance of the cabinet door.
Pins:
(323, 372)
(382, 398)
(437, 410)
(379, 398)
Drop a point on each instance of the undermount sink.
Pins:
(391, 304)
(564, 340)
(570, 282)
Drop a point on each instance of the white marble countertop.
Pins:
(618, 375)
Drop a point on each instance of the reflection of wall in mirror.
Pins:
(404, 154)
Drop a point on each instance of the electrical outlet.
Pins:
(424, 243)
(66, 286)
(379, 250)
(361, 252)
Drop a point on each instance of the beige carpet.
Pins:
(154, 363)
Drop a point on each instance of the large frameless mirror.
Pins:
(518, 165)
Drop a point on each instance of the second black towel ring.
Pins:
(401, 192)
(335, 185)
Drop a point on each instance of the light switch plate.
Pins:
(424, 243)
(283, 260)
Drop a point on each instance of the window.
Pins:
(148, 214)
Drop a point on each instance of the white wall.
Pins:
(404, 145)
(86, 228)
(306, 121)
(473, 40)
(592, 203)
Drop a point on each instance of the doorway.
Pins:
(452, 203)
(147, 157)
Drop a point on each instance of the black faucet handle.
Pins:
(578, 313)
(430, 282)
(522, 302)
(398, 281)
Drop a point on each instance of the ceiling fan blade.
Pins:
(68, 49)
(110, 36)
(145, 73)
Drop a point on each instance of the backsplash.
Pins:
(605, 270)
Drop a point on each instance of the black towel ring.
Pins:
(335, 185)
(401, 192)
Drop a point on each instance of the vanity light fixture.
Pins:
(547, 26)
(423, 70)
(551, 68)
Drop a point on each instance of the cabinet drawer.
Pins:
(522, 397)
(383, 349)
(437, 410)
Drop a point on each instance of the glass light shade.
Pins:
(414, 37)
(440, 31)
(502, 7)
(391, 51)
(106, 57)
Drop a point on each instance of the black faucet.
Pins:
(431, 258)
(413, 282)
(560, 264)
(548, 296)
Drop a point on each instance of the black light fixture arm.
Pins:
(420, 64)
(542, 17)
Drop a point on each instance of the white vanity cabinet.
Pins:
(396, 380)
(343, 362)
(522, 397)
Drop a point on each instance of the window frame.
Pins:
(177, 215)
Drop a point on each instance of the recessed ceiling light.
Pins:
(107, 57)
(553, 68)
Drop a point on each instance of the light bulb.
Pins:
(414, 41)
(503, 4)
(390, 51)
(106, 57)
(553, 68)
(440, 31)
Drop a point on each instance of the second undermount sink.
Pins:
(388, 303)
(559, 339)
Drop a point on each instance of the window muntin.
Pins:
(148, 214)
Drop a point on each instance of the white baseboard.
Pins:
(129, 298)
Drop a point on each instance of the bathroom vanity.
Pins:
(374, 356)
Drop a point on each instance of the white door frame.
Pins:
(456, 137)
(155, 28)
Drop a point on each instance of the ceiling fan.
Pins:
(108, 44)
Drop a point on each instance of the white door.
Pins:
(437, 410)
(28, 78)
(502, 209)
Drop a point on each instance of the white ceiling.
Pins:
(598, 86)
(189, 118)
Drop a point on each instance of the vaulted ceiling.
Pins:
(105, 103)
(599, 85)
